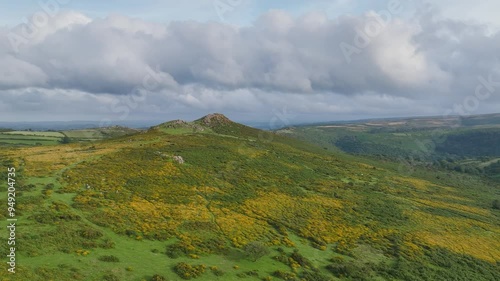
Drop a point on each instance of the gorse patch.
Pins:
(245, 207)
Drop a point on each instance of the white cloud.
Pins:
(483, 11)
(411, 66)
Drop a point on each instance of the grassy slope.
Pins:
(237, 184)
(465, 146)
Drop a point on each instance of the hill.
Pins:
(243, 204)
(213, 123)
(468, 144)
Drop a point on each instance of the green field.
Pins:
(34, 133)
(36, 138)
(29, 138)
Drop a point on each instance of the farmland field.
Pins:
(35, 133)
(29, 138)
(35, 138)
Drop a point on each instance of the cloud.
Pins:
(17, 73)
(294, 61)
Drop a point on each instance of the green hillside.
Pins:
(216, 200)
(464, 144)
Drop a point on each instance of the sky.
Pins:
(280, 62)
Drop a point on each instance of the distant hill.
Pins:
(211, 123)
(468, 144)
(93, 134)
(412, 123)
(71, 125)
